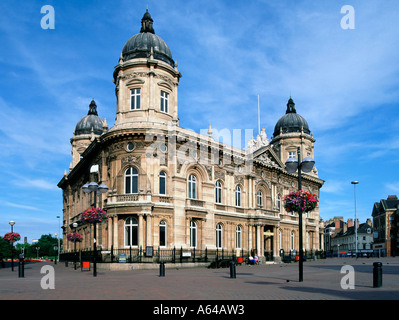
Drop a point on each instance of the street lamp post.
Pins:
(355, 224)
(102, 188)
(74, 225)
(59, 232)
(292, 165)
(12, 245)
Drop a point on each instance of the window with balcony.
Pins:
(218, 192)
(238, 196)
(162, 183)
(192, 186)
(259, 199)
(131, 180)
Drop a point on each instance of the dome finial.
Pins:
(146, 23)
(93, 108)
(290, 106)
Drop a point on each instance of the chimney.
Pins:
(368, 221)
(392, 197)
(350, 223)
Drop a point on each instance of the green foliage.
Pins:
(46, 245)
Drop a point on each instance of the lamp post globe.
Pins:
(291, 165)
(307, 164)
(93, 186)
(102, 188)
(85, 188)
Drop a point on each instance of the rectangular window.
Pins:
(164, 101)
(135, 99)
(292, 154)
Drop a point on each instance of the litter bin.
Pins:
(377, 274)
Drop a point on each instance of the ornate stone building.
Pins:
(171, 187)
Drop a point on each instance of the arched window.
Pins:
(219, 236)
(131, 232)
(192, 186)
(218, 192)
(238, 237)
(162, 234)
(131, 180)
(162, 182)
(259, 199)
(193, 234)
(238, 196)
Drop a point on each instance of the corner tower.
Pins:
(290, 132)
(87, 129)
(146, 80)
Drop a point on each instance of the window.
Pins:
(192, 186)
(164, 101)
(238, 196)
(135, 99)
(292, 240)
(131, 180)
(162, 234)
(193, 234)
(278, 202)
(162, 182)
(131, 232)
(218, 192)
(292, 154)
(259, 199)
(219, 236)
(238, 237)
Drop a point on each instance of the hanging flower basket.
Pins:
(300, 200)
(12, 237)
(93, 215)
(74, 237)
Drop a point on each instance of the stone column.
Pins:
(115, 225)
(110, 219)
(141, 231)
(149, 230)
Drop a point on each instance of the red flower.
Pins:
(12, 236)
(74, 237)
(93, 215)
(300, 201)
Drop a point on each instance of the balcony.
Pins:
(138, 198)
(195, 203)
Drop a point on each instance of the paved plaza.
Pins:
(323, 280)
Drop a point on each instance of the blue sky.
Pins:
(343, 81)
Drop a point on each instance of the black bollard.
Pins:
(21, 267)
(232, 270)
(377, 274)
(162, 269)
(66, 263)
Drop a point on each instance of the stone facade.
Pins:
(172, 187)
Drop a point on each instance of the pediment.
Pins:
(267, 157)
